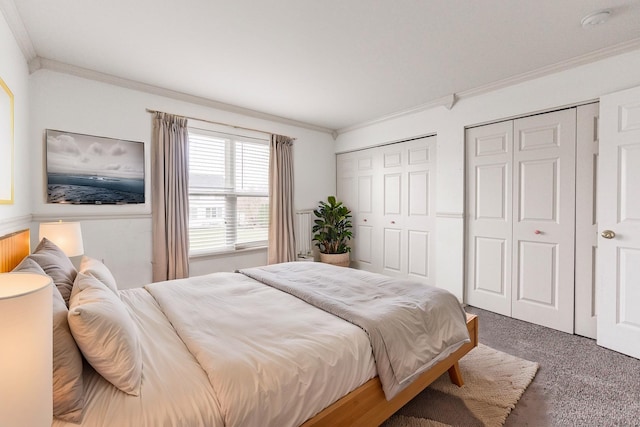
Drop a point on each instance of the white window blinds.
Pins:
(228, 192)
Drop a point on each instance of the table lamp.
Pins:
(66, 235)
(26, 397)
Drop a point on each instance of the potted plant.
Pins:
(332, 230)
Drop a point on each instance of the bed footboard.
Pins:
(367, 406)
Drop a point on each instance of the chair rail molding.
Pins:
(15, 224)
(455, 215)
(88, 217)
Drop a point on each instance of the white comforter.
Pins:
(411, 326)
(272, 359)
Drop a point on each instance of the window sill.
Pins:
(203, 255)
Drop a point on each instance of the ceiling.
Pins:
(332, 63)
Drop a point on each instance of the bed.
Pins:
(231, 349)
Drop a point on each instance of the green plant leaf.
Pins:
(333, 227)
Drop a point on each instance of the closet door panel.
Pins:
(489, 217)
(538, 193)
(392, 261)
(392, 192)
(490, 266)
(420, 153)
(365, 161)
(346, 190)
(538, 273)
(491, 192)
(365, 241)
(419, 193)
(365, 194)
(363, 207)
(394, 209)
(544, 219)
(629, 201)
(392, 157)
(419, 220)
(418, 253)
(364, 220)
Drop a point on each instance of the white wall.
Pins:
(121, 235)
(564, 88)
(14, 72)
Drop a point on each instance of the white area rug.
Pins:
(493, 383)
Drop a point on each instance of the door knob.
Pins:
(608, 234)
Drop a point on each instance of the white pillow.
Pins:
(105, 333)
(97, 269)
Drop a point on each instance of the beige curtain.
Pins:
(282, 244)
(170, 197)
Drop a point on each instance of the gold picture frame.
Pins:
(6, 144)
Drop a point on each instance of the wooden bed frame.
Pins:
(13, 248)
(365, 406)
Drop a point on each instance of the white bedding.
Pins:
(265, 359)
(169, 370)
(411, 326)
(272, 359)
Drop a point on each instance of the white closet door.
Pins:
(489, 217)
(367, 211)
(347, 179)
(391, 192)
(420, 221)
(586, 220)
(347, 190)
(394, 197)
(544, 219)
(618, 274)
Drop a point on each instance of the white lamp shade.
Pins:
(66, 235)
(26, 397)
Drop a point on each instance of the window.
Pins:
(228, 191)
(212, 212)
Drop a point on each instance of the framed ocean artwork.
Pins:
(85, 169)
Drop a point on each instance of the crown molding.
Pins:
(39, 63)
(18, 29)
(450, 100)
(446, 102)
(577, 61)
(34, 64)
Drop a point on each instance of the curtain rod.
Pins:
(216, 123)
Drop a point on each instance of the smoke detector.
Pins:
(595, 18)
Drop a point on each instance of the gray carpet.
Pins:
(578, 383)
